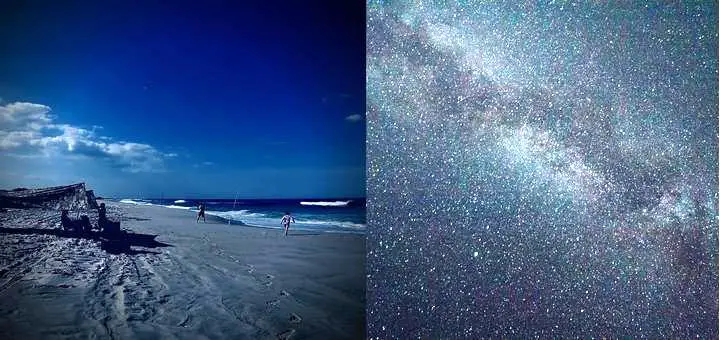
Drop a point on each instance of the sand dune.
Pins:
(193, 281)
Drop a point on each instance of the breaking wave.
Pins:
(328, 204)
(136, 202)
(176, 207)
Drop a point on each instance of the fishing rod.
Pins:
(235, 201)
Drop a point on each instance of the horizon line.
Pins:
(242, 198)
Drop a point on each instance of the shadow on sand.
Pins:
(118, 244)
(130, 218)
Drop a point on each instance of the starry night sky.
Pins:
(542, 170)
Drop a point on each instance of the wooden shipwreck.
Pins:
(69, 197)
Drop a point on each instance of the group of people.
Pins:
(78, 226)
(286, 219)
(83, 225)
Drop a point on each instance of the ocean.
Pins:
(345, 215)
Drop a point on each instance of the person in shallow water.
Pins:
(201, 213)
(286, 220)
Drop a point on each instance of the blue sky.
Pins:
(202, 99)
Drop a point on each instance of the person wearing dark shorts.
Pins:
(286, 220)
(201, 213)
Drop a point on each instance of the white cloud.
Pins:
(354, 118)
(24, 115)
(21, 123)
(15, 139)
(27, 128)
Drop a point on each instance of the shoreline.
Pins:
(214, 214)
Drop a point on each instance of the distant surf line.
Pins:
(327, 204)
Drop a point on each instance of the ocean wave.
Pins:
(328, 204)
(341, 224)
(180, 201)
(264, 221)
(234, 214)
(136, 202)
(176, 207)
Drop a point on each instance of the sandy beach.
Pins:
(193, 281)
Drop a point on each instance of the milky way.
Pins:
(542, 170)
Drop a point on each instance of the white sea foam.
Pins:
(180, 201)
(236, 215)
(328, 204)
(176, 207)
(341, 224)
(136, 202)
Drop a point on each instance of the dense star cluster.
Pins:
(542, 170)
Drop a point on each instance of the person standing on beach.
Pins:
(286, 220)
(102, 217)
(201, 213)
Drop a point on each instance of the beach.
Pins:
(192, 281)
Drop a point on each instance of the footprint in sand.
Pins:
(269, 279)
(286, 334)
(185, 321)
(273, 303)
(294, 318)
